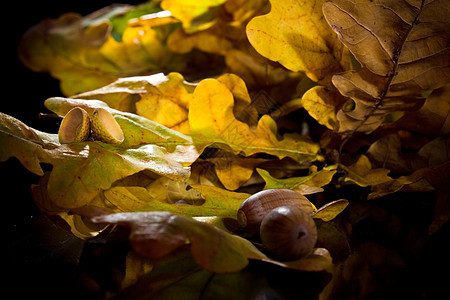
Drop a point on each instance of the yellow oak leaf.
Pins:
(142, 48)
(315, 179)
(322, 104)
(212, 122)
(227, 38)
(234, 170)
(195, 15)
(330, 210)
(296, 35)
(161, 98)
(209, 41)
(362, 173)
(217, 201)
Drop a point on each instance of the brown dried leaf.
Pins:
(433, 118)
(403, 48)
(387, 152)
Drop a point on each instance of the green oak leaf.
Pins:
(82, 170)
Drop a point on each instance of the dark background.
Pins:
(40, 258)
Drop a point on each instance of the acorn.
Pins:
(254, 208)
(105, 128)
(288, 233)
(75, 126)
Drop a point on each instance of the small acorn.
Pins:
(254, 208)
(105, 128)
(75, 126)
(288, 232)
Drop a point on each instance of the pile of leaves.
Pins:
(219, 99)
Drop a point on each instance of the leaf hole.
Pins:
(349, 105)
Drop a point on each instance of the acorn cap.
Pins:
(75, 126)
(105, 128)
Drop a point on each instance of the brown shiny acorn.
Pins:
(254, 208)
(288, 232)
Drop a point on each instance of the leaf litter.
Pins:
(212, 103)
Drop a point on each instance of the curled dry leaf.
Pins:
(403, 50)
(414, 182)
(156, 234)
(330, 210)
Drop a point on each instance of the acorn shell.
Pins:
(254, 208)
(288, 232)
(75, 126)
(105, 128)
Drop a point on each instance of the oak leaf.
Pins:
(234, 170)
(194, 15)
(433, 118)
(322, 104)
(216, 201)
(305, 184)
(82, 170)
(212, 122)
(86, 52)
(226, 37)
(161, 98)
(137, 130)
(297, 36)
(156, 234)
(387, 151)
(414, 182)
(363, 174)
(403, 50)
(330, 210)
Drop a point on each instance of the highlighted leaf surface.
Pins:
(160, 98)
(82, 170)
(212, 121)
(296, 35)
